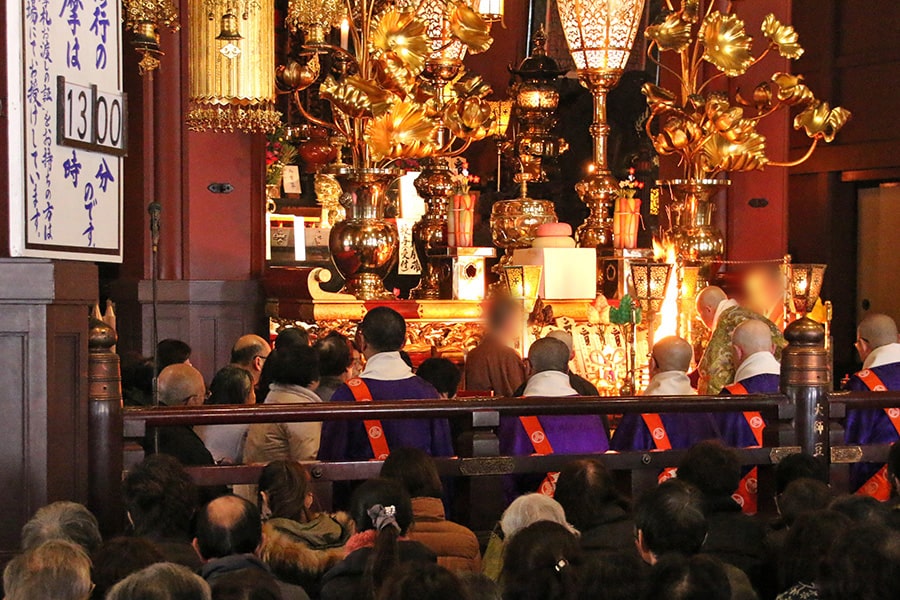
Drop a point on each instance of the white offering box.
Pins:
(568, 273)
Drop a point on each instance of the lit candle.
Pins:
(345, 33)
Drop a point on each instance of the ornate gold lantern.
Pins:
(600, 34)
(491, 10)
(805, 286)
(649, 282)
(144, 18)
(232, 58)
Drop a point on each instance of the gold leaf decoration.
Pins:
(472, 86)
(721, 154)
(391, 73)
(672, 34)
(658, 98)
(677, 135)
(356, 97)
(726, 44)
(469, 118)
(690, 10)
(791, 89)
(783, 36)
(761, 99)
(400, 34)
(470, 28)
(821, 121)
(403, 131)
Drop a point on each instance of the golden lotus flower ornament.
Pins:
(355, 96)
(400, 34)
(709, 131)
(469, 119)
(403, 131)
(470, 28)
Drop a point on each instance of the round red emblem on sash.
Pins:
(756, 422)
(659, 433)
(375, 432)
(537, 437)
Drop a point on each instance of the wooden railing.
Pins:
(806, 416)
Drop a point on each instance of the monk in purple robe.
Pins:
(876, 342)
(669, 363)
(382, 333)
(758, 372)
(548, 361)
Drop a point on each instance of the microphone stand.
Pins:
(154, 209)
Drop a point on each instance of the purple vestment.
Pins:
(871, 425)
(684, 430)
(733, 427)
(347, 440)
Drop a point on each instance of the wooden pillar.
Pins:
(806, 380)
(105, 428)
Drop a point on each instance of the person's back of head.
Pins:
(807, 544)
(294, 365)
(228, 525)
(118, 558)
(802, 496)
(247, 348)
(383, 329)
(877, 330)
(565, 337)
(750, 337)
(383, 506)
(503, 317)
(677, 577)
(415, 471)
(160, 498)
(57, 570)
(231, 385)
(162, 581)
(671, 354)
(862, 564)
(171, 352)
(245, 584)
(181, 385)
(669, 519)
(529, 509)
(334, 353)
(585, 489)
(708, 301)
(614, 576)
(284, 491)
(423, 581)
(480, 587)
(548, 354)
(798, 466)
(862, 510)
(442, 374)
(712, 468)
(291, 336)
(541, 562)
(62, 520)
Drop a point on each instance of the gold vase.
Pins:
(364, 245)
(435, 186)
(698, 241)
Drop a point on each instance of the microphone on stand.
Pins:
(154, 209)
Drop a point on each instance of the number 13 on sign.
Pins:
(91, 119)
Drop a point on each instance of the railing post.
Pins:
(105, 428)
(806, 381)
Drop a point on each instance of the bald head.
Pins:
(672, 354)
(566, 338)
(750, 337)
(708, 300)
(874, 331)
(181, 385)
(228, 525)
(250, 352)
(548, 354)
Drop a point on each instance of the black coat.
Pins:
(346, 581)
(610, 531)
(737, 539)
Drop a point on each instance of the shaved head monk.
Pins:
(250, 353)
(876, 342)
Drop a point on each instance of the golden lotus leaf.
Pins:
(791, 89)
(677, 135)
(356, 97)
(402, 132)
(472, 86)
(470, 28)
(715, 104)
(403, 35)
(783, 36)
(721, 154)
(674, 33)
(726, 44)
(761, 99)
(658, 98)
(469, 118)
(821, 121)
(393, 74)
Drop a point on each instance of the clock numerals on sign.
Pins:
(90, 118)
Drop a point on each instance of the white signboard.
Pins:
(67, 125)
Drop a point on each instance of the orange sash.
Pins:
(878, 485)
(542, 446)
(374, 430)
(660, 439)
(747, 488)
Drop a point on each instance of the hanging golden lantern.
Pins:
(144, 18)
(232, 57)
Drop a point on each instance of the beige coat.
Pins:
(284, 441)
